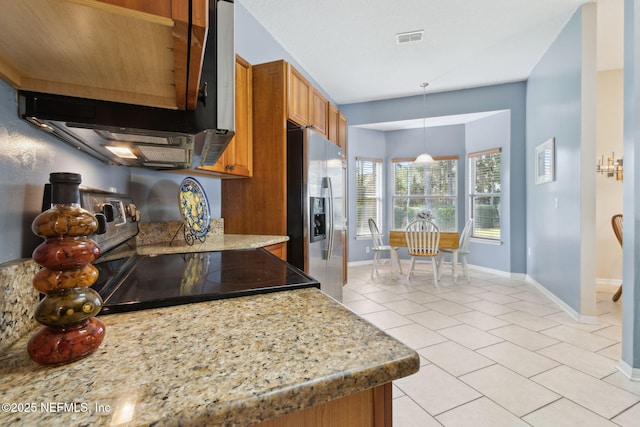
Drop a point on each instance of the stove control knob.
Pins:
(107, 210)
(102, 223)
(133, 212)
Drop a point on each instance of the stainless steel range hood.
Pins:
(142, 136)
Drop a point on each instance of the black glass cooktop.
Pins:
(141, 281)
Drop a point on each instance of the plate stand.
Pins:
(189, 237)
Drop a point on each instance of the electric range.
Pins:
(130, 281)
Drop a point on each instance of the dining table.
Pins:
(448, 240)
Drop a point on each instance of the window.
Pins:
(368, 194)
(484, 193)
(425, 187)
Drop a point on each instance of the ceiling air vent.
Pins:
(410, 37)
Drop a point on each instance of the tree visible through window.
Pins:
(425, 187)
(368, 194)
(484, 193)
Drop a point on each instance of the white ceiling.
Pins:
(349, 46)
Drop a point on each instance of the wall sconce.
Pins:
(612, 167)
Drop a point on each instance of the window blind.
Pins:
(368, 194)
(484, 193)
(430, 187)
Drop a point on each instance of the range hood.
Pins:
(143, 136)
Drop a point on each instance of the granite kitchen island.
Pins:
(232, 362)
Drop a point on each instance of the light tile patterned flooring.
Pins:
(496, 352)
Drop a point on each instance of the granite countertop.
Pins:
(223, 242)
(229, 362)
(167, 238)
(18, 298)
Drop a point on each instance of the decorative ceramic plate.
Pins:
(194, 207)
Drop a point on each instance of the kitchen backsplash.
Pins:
(153, 233)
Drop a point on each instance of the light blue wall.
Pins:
(158, 193)
(27, 157)
(370, 144)
(631, 208)
(554, 111)
(440, 141)
(486, 134)
(509, 97)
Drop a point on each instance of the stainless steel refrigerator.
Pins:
(315, 207)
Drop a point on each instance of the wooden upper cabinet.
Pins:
(319, 112)
(342, 134)
(332, 130)
(237, 158)
(130, 51)
(265, 194)
(298, 97)
(241, 154)
(337, 132)
(306, 106)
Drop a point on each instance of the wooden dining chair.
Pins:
(380, 248)
(616, 224)
(423, 240)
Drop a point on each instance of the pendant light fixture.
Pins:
(424, 158)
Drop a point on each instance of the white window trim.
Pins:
(379, 196)
(476, 239)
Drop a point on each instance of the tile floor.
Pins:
(496, 352)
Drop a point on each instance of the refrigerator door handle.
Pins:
(329, 187)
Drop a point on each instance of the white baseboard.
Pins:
(510, 275)
(608, 282)
(632, 373)
(607, 285)
(601, 283)
(489, 270)
(564, 306)
(358, 263)
(607, 288)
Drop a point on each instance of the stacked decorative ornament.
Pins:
(70, 331)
